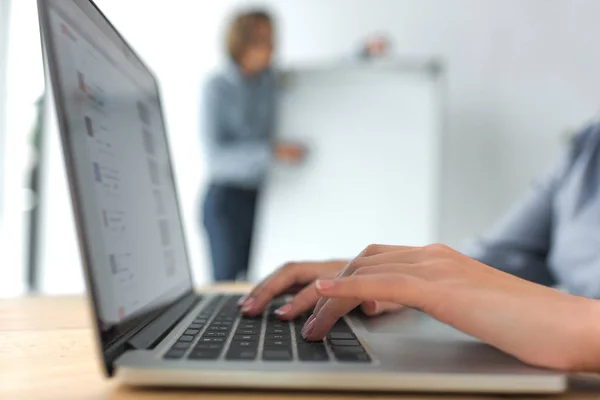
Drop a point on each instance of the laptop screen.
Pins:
(120, 172)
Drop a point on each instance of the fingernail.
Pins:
(248, 304)
(283, 309)
(376, 308)
(308, 321)
(309, 328)
(243, 300)
(324, 284)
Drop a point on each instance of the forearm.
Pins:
(538, 325)
(588, 359)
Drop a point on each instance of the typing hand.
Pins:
(538, 325)
(294, 275)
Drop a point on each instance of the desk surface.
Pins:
(46, 352)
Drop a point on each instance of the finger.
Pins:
(397, 288)
(419, 270)
(332, 310)
(302, 302)
(369, 251)
(277, 283)
(373, 308)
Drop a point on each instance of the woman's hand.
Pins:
(539, 325)
(289, 153)
(300, 278)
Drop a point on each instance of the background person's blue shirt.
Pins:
(552, 235)
(237, 129)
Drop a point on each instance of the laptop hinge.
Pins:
(155, 331)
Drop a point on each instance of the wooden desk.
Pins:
(46, 352)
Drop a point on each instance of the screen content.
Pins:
(121, 169)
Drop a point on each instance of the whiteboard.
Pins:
(372, 172)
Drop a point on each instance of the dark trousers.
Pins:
(228, 216)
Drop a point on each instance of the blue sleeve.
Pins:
(274, 79)
(519, 242)
(230, 159)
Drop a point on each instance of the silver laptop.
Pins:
(152, 329)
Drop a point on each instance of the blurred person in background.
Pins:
(239, 114)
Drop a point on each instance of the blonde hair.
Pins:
(241, 30)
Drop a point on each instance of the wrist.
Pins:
(587, 356)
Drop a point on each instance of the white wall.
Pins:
(4, 18)
(520, 73)
(25, 83)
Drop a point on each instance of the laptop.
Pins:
(151, 327)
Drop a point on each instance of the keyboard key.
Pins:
(350, 354)
(186, 338)
(271, 336)
(250, 338)
(217, 329)
(236, 353)
(277, 355)
(208, 346)
(226, 321)
(313, 357)
(337, 342)
(227, 317)
(317, 346)
(212, 340)
(277, 331)
(248, 326)
(204, 355)
(215, 334)
(245, 344)
(277, 343)
(277, 324)
(250, 320)
(191, 332)
(341, 326)
(248, 331)
(174, 354)
(312, 353)
(196, 326)
(341, 335)
(181, 345)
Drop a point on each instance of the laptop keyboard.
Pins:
(220, 332)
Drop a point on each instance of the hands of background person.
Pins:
(294, 276)
(289, 153)
(539, 325)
